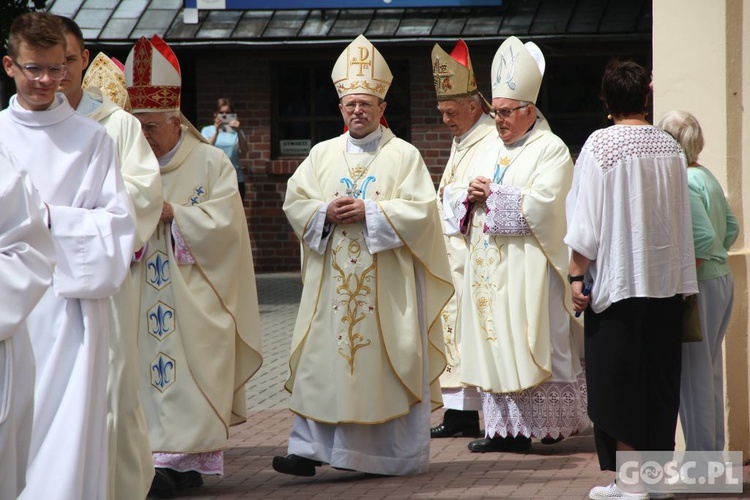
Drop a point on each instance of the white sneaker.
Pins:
(612, 491)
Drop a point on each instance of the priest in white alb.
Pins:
(520, 337)
(367, 348)
(131, 468)
(199, 337)
(71, 160)
(26, 262)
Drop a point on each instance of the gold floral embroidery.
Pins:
(485, 259)
(451, 350)
(354, 290)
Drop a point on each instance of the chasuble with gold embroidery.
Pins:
(357, 352)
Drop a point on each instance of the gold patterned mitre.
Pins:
(152, 73)
(452, 73)
(108, 75)
(517, 70)
(360, 69)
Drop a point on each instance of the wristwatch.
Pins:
(571, 279)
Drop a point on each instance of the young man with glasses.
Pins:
(71, 160)
(519, 331)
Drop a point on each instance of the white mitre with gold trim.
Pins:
(517, 70)
(361, 69)
(453, 74)
(108, 75)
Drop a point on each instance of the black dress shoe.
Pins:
(185, 480)
(457, 423)
(295, 465)
(551, 440)
(167, 482)
(507, 444)
(162, 485)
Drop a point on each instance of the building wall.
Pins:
(275, 246)
(702, 65)
(567, 97)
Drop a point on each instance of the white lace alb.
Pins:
(550, 409)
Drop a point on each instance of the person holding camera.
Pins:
(227, 135)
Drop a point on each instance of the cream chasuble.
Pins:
(199, 325)
(505, 313)
(131, 467)
(462, 154)
(357, 352)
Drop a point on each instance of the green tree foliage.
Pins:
(10, 9)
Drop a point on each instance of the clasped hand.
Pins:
(345, 210)
(479, 189)
(166, 212)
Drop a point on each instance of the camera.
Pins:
(226, 119)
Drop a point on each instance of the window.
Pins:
(305, 105)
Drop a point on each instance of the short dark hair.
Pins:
(626, 87)
(38, 30)
(69, 27)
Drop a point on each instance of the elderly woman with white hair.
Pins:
(714, 231)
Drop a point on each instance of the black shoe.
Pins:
(551, 440)
(507, 444)
(185, 480)
(163, 485)
(295, 465)
(457, 423)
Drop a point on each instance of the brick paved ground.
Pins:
(566, 470)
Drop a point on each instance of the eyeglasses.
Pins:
(351, 107)
(503, 113)
(34, 72)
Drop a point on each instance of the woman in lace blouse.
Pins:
(630, 234)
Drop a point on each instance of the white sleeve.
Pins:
(379, 234)
(450, 223)
(26, 250)
(318, 231)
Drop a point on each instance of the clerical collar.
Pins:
(366, 144)
(164, 160)
(87, 105)
(466, 134)
(58, 111)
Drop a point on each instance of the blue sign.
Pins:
(333, 4)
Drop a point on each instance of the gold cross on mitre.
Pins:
(442, 75)
(363, 62)
(361, 69)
